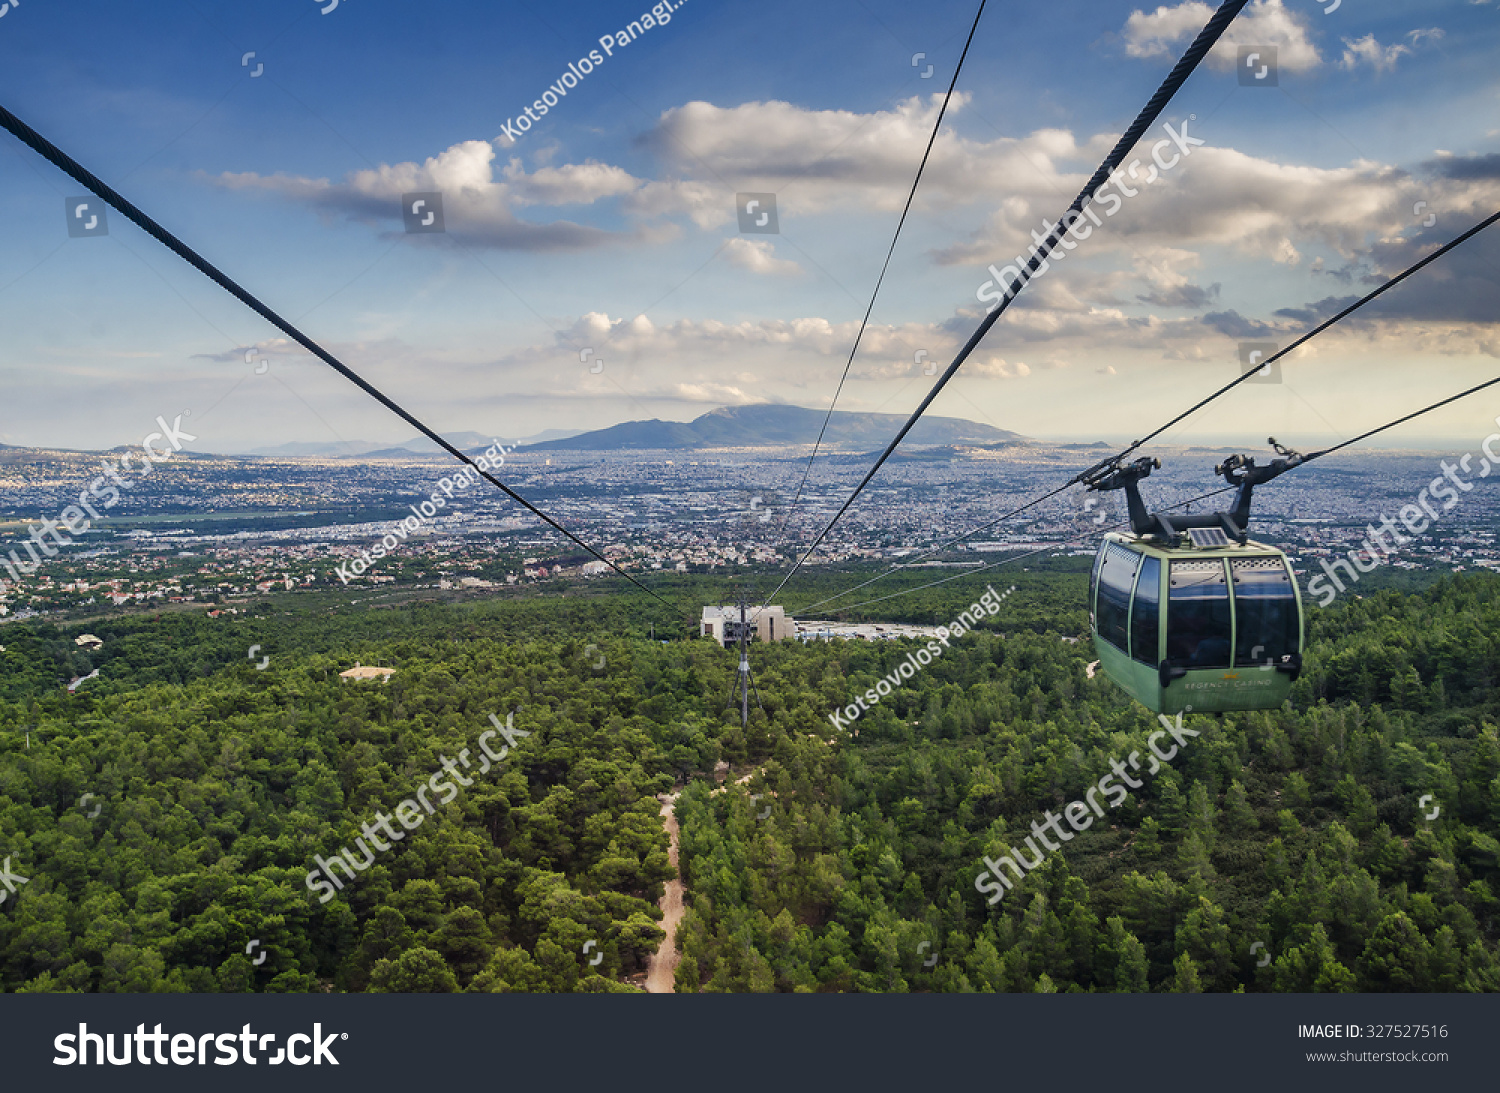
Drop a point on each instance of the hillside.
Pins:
(831, 860)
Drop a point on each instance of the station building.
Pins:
(765, 624)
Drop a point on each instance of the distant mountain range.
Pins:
(759, 426)
(774, 426)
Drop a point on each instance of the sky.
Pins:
(592, 268)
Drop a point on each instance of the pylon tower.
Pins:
(744, 679)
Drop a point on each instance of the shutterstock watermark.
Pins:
(9, 881)
(106, 490)
(187, 1049)
(408, 814)
(1080, 814)
(659, 16)
(493, 458)
(985, 606)
(1383, 541)
(1074, 223)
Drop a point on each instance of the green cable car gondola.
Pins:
(1188, 612)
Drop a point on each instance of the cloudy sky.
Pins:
(607, 230)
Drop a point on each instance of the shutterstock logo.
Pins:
(186, 1049)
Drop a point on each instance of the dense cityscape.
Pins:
(214, 529)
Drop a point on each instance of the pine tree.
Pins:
(1205, 937)
(1169, 803)
(1239, 818)
(1193, 856)
(1185, 976)
(1444, 962)
(1131, 975)
(1396, 957)
(1294, 792)
(1125, 956)
(1200, 816)
(1148, 839)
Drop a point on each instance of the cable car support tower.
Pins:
(744, 679)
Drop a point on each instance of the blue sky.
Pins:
(608, 230)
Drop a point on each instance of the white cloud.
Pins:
(249, 354)
(779, 357)
(759, 256)
(799, 360)
(476, 205)
(996, 368)
(1160, 269)
(572, 184)
(822, 160)
(838, 162)
(1154, 34)
(1263, 23)
(715, 394)
(1368, 51)
(1256, 207)
(708, 205)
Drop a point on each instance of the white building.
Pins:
(764, 623)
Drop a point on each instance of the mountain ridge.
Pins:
(773, 425)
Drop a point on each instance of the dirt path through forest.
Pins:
(662, 970)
